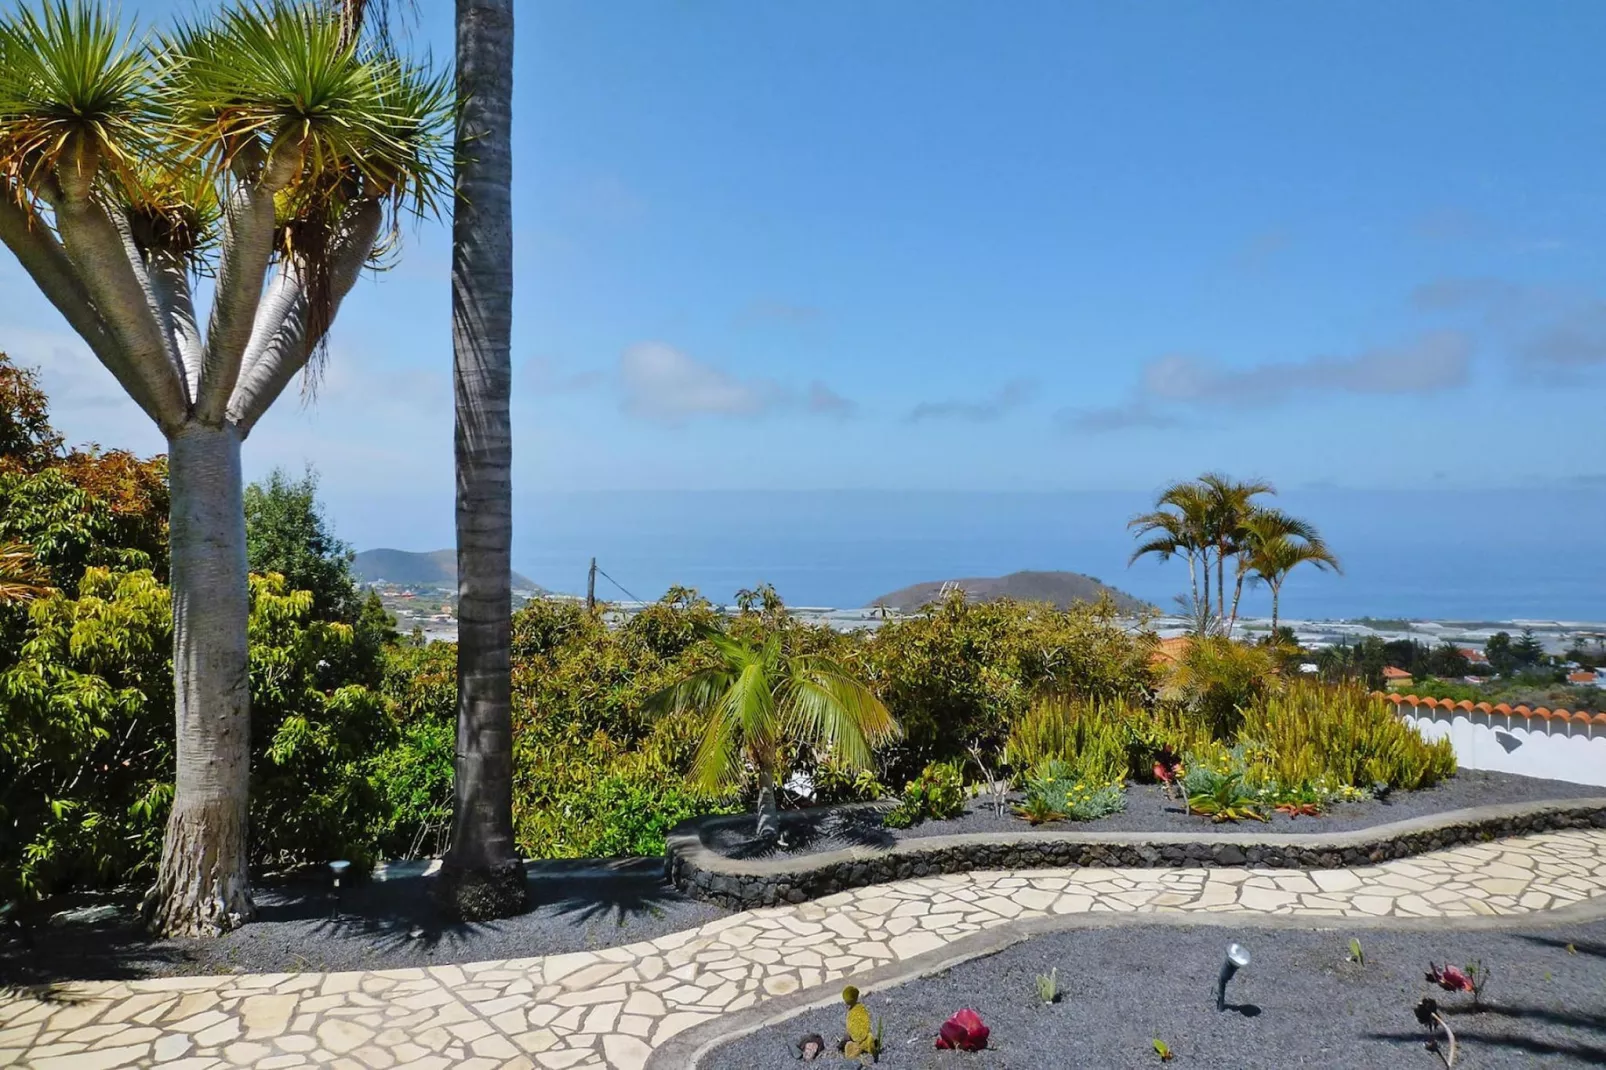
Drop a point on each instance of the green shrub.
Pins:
(960, 674)
(626, 816)
(1340, 735)
(1220, 784)
(834, 783)
(1217, 679)
(936, 794)
(1057, 791)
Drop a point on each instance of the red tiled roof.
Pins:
(1391, 673)
(1501, 709)
(1582, 676)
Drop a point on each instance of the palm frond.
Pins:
(824, 705)
(717, 763)
(750, 704)
(698, 692)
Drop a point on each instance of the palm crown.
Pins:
(759, 698)
(1214, 519)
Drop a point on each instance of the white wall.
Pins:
(1510, 743)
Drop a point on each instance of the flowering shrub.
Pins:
(1056, 793)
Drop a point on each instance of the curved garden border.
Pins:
(686, 1050)
(703, 873)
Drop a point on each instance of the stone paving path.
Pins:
(611, 1007)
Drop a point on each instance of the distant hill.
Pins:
(1060, 588)
(437, 568)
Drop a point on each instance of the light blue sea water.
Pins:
(1487, 555)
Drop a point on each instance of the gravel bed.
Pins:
(1299, 1003)
(381, 924)
(1147, 810)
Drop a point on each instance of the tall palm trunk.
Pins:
(1237, 596)
(1221, 579)
(482, 876)
(203, 887)
(1276, 594)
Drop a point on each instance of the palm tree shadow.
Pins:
(37, 963)
(619, 899)
(814, 831)
(1579, 947)
(1589, 1054)
(1592, 1021)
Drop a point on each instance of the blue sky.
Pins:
(959, 246)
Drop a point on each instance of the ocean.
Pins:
(1499, 555)
(1447, 555)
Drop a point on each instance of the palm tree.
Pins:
(1178, 525)
(1261, 526)
(1228, 506)
(759, 700)
(1274, 553)
(267, 149)
(482, 876)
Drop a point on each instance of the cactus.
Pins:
(861, 1042)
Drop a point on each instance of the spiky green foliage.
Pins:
(162, 122)
(71, 81)
(1341, 735)
(1048, 986)
(278, 74)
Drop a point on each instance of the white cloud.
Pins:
(662, 384)
(1424, 365)
(979, 411)
(827, 402)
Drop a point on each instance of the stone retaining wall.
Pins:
(703, 873)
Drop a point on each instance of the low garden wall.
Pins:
(1553, 744)
(703, 873)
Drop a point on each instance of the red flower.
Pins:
(1449, 978)
(963, 1032)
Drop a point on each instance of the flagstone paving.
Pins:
(611, 1007)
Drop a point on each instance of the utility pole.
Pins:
(591, 588)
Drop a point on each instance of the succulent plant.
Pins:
(965, 1031)
(809, 1047)
(862, 1042)
(1048, 986)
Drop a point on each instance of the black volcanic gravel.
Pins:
(1299, 1003)
(374, 930)
(1148, 810)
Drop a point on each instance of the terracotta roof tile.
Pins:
(1502, 708)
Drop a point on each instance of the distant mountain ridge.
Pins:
(436, 568)
(1060, 588)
